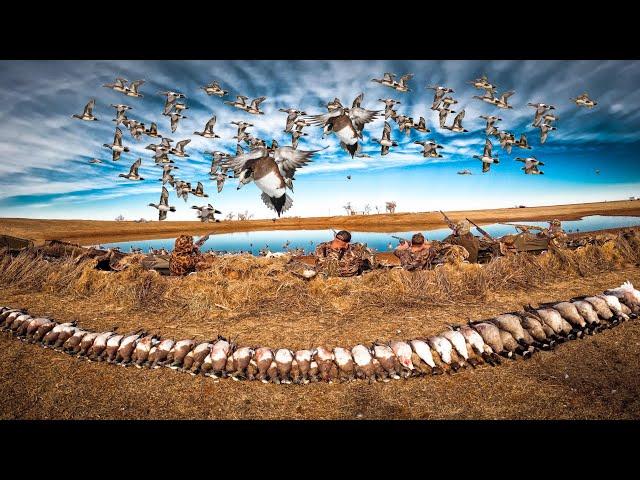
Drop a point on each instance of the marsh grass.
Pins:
(249, 285)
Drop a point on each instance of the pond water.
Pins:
(275, 240)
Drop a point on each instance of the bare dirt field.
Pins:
(591, 378)
(87, 232)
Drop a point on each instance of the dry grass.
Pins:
(248, 285)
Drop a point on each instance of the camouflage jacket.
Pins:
(411, 260)
(447, 253)
(342, 262)
(185, 256)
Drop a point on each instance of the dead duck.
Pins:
(113, 344)
(99, 346)
(4, 316)
(387, 360)
(159, 354)
(460, 345)
(627, 293)
(72, 345)
(284, 361)
(179, 351)
(537, 332)
(600, 306)
(402, 351)
(86, 342)
(614, 305)
(15, 319)
(512, 346)
(570, 313)
(586, 310)
(142, 349)
(195, 358)
(241, 358)
(422, 358)
(491, 336)
(327, 368)
(220, 351)
(51, 337)
(36, 328)
(445, 350)
(511, 323)
(263, 359)
(127, 346)
(554, 320)
(301, 367)
(475, 340)
(363, 362)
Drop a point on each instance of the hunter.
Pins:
(186, 255)
(462, 236)
(339, 257)
(416, 255)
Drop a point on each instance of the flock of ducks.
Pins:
(272, 167)
(488, 341)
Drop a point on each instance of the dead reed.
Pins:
(250, 285)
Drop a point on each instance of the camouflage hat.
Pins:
(463, 227)
(555, 221)
(417, 239)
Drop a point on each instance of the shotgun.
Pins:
(401, 239)
(448, 220)
(482, 231)
(524, 228)
(202, 240)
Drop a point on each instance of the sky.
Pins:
(44, 172)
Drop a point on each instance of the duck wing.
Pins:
(133, 171)
(238, 162)
(164, 197)
(487, 148)
(288, 159)
(360, 117)
(324, 118)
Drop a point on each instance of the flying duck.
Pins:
(239, 103)
(439, 95)
(120, 107)
(584, 101)
(120, 85)
(529, 161)
(522, 143)
(133, 171)
(548, 118)
(544, 131)
(292, 114)
(220, 178)
(152, 131)
(488, 97)
(95, 160)
(402, 86)
(163, 207)
(208, 129)
(502, 101)
(132, 89)
(490, 129)
(430, 148)
(334, 104)
(541, 109)
(346, 123)
(116, 147)
(175, 117)
(268, 172)
(178, 150)
(166, 174)
(172, 96)
(389, 103)
(442, 116)
(531, 169)
(387, 80)
(405, 124)
(295, 136)
(421, 126)
(465, 172)
(214, 88)
(206, 212)
(254, 108)
(179, 107)
(199, 191)
(506, 140)
(300, 123)
(87, 114)
(385, 142)
(482, 83)
(183, 189)
(456, 126)
(486, 157)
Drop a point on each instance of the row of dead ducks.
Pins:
(488, 341)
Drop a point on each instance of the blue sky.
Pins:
(45, 153)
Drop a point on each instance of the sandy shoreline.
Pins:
(94, 231)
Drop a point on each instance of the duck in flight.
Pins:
(133, 171)
(487, 159)
(87, 113)
(163, 207)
